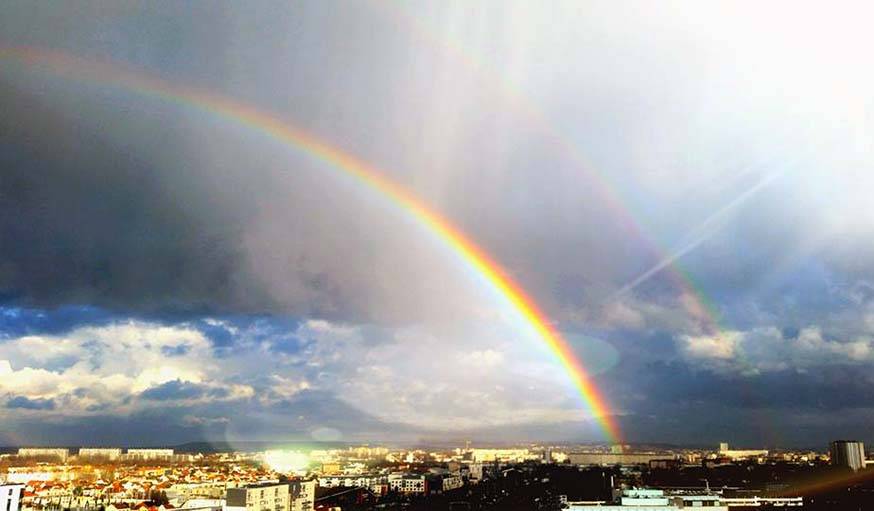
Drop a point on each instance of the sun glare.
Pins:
(286, 462)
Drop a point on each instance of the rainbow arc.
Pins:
(242, 114)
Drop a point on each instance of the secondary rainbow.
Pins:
(102, 72)
(693, 299)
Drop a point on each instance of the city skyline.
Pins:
(363, 477)
(380, 222)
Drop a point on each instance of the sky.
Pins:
(682, 188)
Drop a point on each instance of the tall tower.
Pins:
(847, 453)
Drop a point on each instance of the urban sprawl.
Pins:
(454, 479)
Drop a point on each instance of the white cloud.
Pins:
(767, 349)
(490, 375)
(91, 367)
(483, 359)
(722, 346)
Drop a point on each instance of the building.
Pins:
(452, 482)
(378, 484)
(602, 458)
(259, 497)
(847, 453)
(547, 455)
(110, 453)
(183, 492)
(740, 454)
(25, 474)
(505, 455)
(338, 499)
(149, 454)
(644, 499)
(365, 452)
(203, 505)
(765, 502)
(331, 468)
(10, 496)
(665, 464)
(649, 499)
(408, 483)
(42, 452)
(303, 495)
(476, 472)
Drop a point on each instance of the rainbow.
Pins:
(692, 297)
(103, 72)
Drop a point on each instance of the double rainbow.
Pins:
(692, 299)
(101, 72)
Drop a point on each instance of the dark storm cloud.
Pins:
(132, 220)
(825, 388)
(87, 220)
(171, 212)
(136, 430)
(24, 403)
(141, 205)
(294, 419)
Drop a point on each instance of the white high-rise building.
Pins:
(303, 495)
(259, 497)
(44, 452)
(10, 496)
(100, 452)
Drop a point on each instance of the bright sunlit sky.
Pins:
(683, 187)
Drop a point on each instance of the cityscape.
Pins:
(547, 477)
(448, 255)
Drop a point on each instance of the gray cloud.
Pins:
(173, 390)
(23, 403)
(86, 220)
